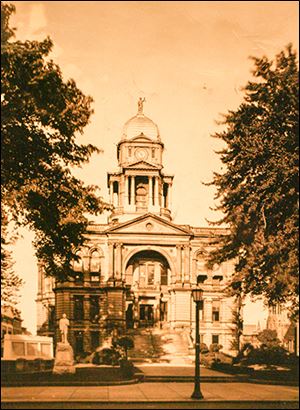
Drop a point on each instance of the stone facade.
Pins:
(139, 268)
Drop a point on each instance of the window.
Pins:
(94, 340)
(150, 274)
(216, 311)
(78, 307)
(201, 278)
(142, 276)
(129, 151)
(78, 268)
(51, 318)
(146, 313)
(163, 275)
(78, 342)
(201, 338)
(94, 308)
(153, 152)
(163, 311)
(217, 279)
(215, 339)
(146, 271)
(77, 265)
(95, 266)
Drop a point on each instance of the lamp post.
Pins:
(197, 294)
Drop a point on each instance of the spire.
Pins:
(140, 105)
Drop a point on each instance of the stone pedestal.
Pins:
(64, 359)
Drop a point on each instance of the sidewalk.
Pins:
(185, 370)
(150, 392)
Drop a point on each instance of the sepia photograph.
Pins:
(149, 204)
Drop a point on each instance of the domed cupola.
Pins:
(140, 125)
(140, 186)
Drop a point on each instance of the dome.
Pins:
(140, 124)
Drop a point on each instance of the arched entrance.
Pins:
(147, 276)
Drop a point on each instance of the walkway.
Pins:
(150, 392)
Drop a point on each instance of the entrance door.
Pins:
(129, 316)
(146, 315)
(163, 311)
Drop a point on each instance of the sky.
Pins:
(190, 60)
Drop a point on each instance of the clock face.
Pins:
(141, 153)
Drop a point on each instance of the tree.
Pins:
(258, 192)
(41, 117)
(125, 342)
(238, 322)
(10, 281)
(268, 338)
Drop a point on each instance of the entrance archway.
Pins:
(147, 276)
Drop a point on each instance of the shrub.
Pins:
(203, 348)
(83, 357)
(127, 369)
(21, 365)
(36, 364)
(274, 355)
(125, 343)
(215, 348)
(207, 359)
(106, 356)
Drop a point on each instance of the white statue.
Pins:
(140, 105)
(63, 327)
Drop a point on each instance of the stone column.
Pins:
(187, 264)
(150, 197)
(111, 191)
(156, 191)
(118, 195)
(179, 263)
(194, 270)
(111, 260)
(132, 198)
(170, 196)
(118, 269)
(126, 191)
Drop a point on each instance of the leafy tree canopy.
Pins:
(41, 117)
(10, 281)
(258, 192)
(268, 338)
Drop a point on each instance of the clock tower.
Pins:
(140, 186)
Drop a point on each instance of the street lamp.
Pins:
(197, 294)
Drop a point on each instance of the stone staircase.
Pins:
(153, 345)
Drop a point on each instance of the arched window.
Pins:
(95, 266)
(78, 267)
(163, 275)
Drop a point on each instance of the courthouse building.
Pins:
(139, 268)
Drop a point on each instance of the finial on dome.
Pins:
(140, 105)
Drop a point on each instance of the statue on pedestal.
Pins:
(64, 356)
(63, 327)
